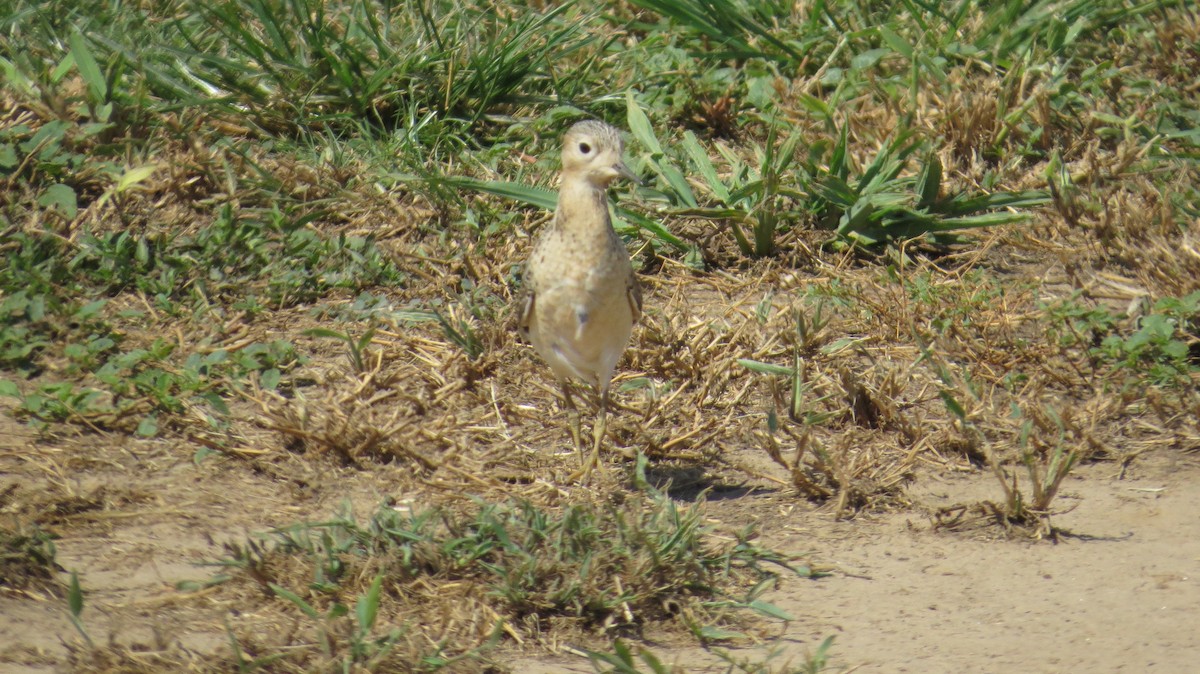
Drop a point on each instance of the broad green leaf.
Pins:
(868, 59)
(705, 166)
(534, 196)
(816, 105)
(655, 228)
(678, 183)
(61, 198)
(64, 66)
(134, 176)
(148, 427)
(768, 609)
(216, 402)
(90, 309)
(8, 156)
(12, 76)
(929, 184)
(75, 595)
(326, 332)
(714, 633)
(269, 379)
(88, 68)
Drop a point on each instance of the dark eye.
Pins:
(585, 148)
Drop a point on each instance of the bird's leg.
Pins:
(573, 415)
(598, 431)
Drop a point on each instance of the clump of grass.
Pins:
(1049, 445)
(612, 568)
(27, 558)
(848, 474)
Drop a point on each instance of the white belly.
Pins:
(581, 333)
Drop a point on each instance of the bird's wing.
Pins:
(526, 315)
(633, 293)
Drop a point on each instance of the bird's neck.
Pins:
(582, 207)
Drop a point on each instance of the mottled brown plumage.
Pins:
(581, 297)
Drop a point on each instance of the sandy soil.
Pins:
(1120, 594)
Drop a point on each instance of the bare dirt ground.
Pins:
(1119, 594)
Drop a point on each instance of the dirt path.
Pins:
(1123, 595)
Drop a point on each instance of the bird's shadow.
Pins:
(689, 484)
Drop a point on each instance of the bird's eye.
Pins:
(585, 148)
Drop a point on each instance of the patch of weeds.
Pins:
(21, 338)
(281, 256)
(1159, 349)
(356, 347)
(881, 204)
(1050, 446)
(56, 161)
(956, 304)
(1074, 323)
(39, 316)
(1047, 461)
(151, 376)
(617, 567)
(148, 383)
(1164, 346)
(731, 29)
(56, 402)
(27, 558)
(1050, 443)
(845, 474)
(754, 196)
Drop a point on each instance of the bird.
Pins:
(581, 298)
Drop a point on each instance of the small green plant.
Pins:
(882, 204)
(26, 557)
(356, 348)
(362, 646)
(75, 608)
(1074, 323)
(536, 564)
(810, 337)
(1048, 444)
(1047, 464)
(754, 195)
(732, 29)
(55, 402)
(1162, 346)
(621, 661)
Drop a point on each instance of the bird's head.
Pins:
(593, 150)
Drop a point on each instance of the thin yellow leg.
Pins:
(573, 416)
(599, 429)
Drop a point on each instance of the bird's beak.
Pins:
(623, 171)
